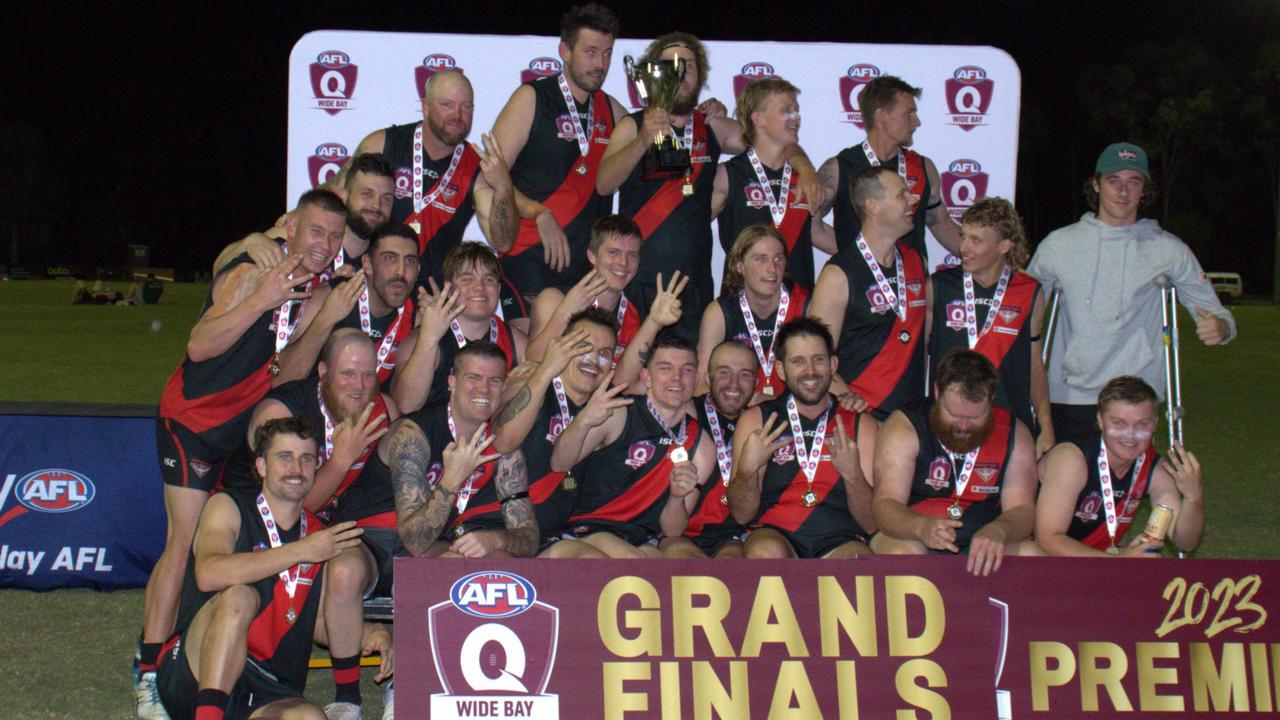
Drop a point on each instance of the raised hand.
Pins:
(602, 403)
(666, 309)
(1184, 468)
(341, 300)
(462, 457)
(562, 350)
(762, 443)
(493, 164)
(276, 286)
(584, 292)
(844, 452)
(353, 435)
(555, 246)
(441, 309)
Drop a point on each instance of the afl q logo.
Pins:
(851, 86)
(431, 65)
(540, 68)
(751, 72)
(963, 183)
(333, 81)
(326, 162)
(969, 93)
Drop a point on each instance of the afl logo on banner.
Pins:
(751, 72)
(326, 162)
(851, 87)
(963, 183)
(55, 491)
(493, 594)
(969, 97)
(540, 68)
(431, 65)
(333, 80)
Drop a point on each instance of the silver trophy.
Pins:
(657, 84)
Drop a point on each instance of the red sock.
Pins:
(210, 704)
(346, 679)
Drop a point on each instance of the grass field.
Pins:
(81, 642)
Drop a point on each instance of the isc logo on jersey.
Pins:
(431, 65)
(326, 162)
(333, 80)
(969, 97)
(540, 68)
(492, 594)
(54, 490)
(851, 86)
(963, 183)
(751, 72)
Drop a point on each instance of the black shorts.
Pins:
(816, 546)
(631, 533)
(385, 546)
(178, 687)
(711, 544)
(186, 461)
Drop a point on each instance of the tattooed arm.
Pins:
(421, 512)
(511, 479)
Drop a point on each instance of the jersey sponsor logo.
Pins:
(433, 475)
(431, 65)
(325, 162)
(333, 80)
(1087, 510)
(639, 453)
(876, 299)
(955, 315)
(963, 183)
(939, 474)
(969, 92)
(786, 453)
(754, 71)
(492, 594)
(914, 287)
(539, 68)
(986, 471)
(54, 490)
(1009, 313)
(555, 427)
(851, 86)
(199, 467)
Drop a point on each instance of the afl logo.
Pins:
(431, 65)
(751, 72)
(540, 68)
(326, 162)
(55, 491)
(851, 86)
(333, 59)
(492, 594)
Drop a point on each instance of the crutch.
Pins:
(1172, 366)
(1053, 318)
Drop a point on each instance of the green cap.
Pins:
(1122, 156)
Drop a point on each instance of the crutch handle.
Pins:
(1163, 282)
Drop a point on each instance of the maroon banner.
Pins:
(869, 638)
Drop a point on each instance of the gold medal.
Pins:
(415, 226)
(724, 499)
(687, 188)
(275, 364)
(679, 454)
(905, 337)
(291, 617)
(582, 169)
(768, 391)
(570, 483)
(810, 499)
(954, 512)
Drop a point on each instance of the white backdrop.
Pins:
(344, 85)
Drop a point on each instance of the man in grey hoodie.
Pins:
(1106, 265)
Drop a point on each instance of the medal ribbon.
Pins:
(966, 470)
(1108, 496)
(389, 339)
(584, 138)
(971, 309)
(466, 491)
(622, 307)
(899, 304)
(808, 459)
(420, 201)
(328, 429)
(289, 576)
(777, 208)
(875, 161)
(462, 339)
(563, 401)
(766, 359)
(724, 452)
(676, 438)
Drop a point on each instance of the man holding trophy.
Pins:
(662, 159)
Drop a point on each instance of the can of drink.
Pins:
(1158, 522)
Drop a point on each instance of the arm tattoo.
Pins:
(513, 407)
(522, 524)
(420, 516)
(931, 216)
(644, 356)
(830, 175)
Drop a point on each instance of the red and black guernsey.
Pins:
(934, 480)
(378, 327)
(747, 204)
(449, 350)
(676, 229)
(553, 502)
(882, 356)
(367, 498)
(546, 170)
(1089, 519)
(853, 160)
(442, 221)
(1007, 345)
(482, 511)
(711, 524)
(275, 646)
(627, 329)
(214, 398)
(623, 486)
(735, 328)
(812, 531)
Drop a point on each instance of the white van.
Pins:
(1227, 285)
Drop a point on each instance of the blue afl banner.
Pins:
(80, 502)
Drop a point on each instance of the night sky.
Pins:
(167, 128)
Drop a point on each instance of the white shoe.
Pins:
(343, 711)
(389, 701)
(146, 698)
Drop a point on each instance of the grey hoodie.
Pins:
(1109, 317)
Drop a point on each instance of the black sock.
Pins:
(210, 703)
(149, 654)
(346, 679)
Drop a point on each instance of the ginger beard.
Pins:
(348, 402)
(956, 438)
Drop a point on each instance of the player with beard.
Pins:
(450, 500)
(712, 531)
(556, 130)
(464, 311)
(755, 301)
(761, 185)
(674, 216)
(888, 107)
(376, 302)
(989, 305)
(537, 408)
(799, 479)
(366, 189)
(957, 473)
(874, 298)
(441, 180)
(248, 318)
(623, 512)
(251, 595)
(614, 254)
(344, 401)
(1090, 488)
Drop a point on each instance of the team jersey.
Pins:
(476, 505)
(1088, 519)
(853, 160)
(397, 323)
(747, 203)
(711, 524)
(449, 347)
(553, 493)
(735, 328)
(442, 222)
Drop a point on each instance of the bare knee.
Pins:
(882, 544)
(763, 545)
(236, 605)
(347, 575)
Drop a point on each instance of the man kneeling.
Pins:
(956, 473)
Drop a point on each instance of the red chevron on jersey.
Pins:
(353, 472)
(793, 223)
(271, 624)
(1015, 310)
(627, 330)
(1100, 539)
(210, 411)
(646, 491)
(878, 379)
(442, 208)
(790, 512)
(401, 329)
(915, 176)
(486, 476)
(713, 511)
(658, 208)
(577, 189)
